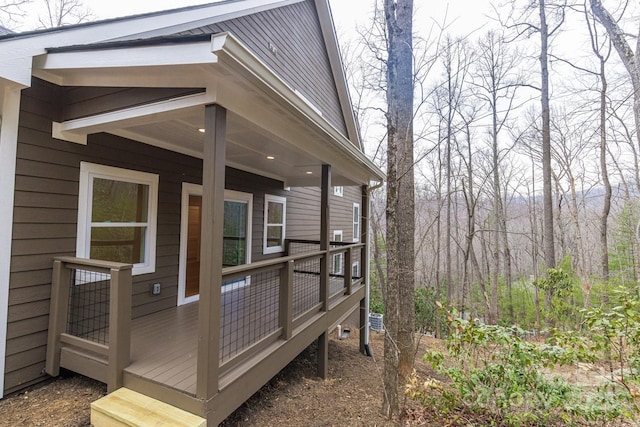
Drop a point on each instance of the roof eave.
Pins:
(224, 45)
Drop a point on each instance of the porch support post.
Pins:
(364, 269)
(325, 237)
(213, 170)
(323, 340)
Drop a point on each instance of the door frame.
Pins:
(189, 189)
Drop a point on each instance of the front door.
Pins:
(236, 241)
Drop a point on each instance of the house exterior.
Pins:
(183, 200)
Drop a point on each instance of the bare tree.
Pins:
(496, 81)
(602, 50)
(630, 59)
(64, 12)
(11, 11)
(400, 324)
(526, 25)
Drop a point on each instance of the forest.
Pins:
(481, 235)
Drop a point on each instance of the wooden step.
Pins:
(127, 408)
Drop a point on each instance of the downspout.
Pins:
(9, 112)
(367, 279)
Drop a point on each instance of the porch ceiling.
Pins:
(266, 118)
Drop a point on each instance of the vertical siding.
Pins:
(301, 59)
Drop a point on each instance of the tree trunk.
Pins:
(547, 185)
(400, 310)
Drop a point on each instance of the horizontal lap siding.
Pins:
(301, 59)
(303, 213)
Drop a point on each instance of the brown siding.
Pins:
(303, 212)
(301, 59)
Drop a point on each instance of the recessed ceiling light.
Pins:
(201, 130)
(309, 173)
(270, 157)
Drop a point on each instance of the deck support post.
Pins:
(364, 269)
(323, 340)
(323, 355)
(213, 177)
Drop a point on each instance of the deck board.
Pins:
(164, 345)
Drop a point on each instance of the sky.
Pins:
(464, 14)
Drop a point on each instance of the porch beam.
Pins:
(76, 130)
(213, 177)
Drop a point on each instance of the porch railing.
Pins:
(261, 303)
(90, 319)
(265, 301)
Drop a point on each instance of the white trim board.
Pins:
(10, 101)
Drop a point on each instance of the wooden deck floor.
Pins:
(164, 345)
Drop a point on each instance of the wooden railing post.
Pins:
(119, 326)
(348, 279)
(286, 299)
(58, 313)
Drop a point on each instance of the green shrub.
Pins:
(493, 371)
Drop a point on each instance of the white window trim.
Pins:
(338, 190)
(277, 199)
(338, 256)
(356, 235)
(88, 171)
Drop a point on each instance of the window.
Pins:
(356, 222)
(117, 211)
(338, 258)
(338, 190)
(274, 222)
(355, 270)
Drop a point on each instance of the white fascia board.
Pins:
(16, 53)
(140, 56)
(232, 52)
(128, 117)
(10, 100)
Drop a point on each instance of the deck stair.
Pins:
(127, 408)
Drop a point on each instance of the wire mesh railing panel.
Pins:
(249, 311)
(306, 285)
(356, 264)
(88, 315)
(297, 247)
